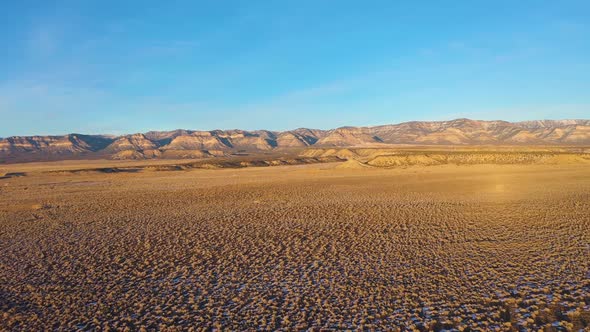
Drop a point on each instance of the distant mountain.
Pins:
(54, 144)
(199, 144)
(349, 136)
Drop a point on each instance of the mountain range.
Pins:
(200, 144)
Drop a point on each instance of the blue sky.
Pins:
(133, 66)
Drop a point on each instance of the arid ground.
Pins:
(480, 247)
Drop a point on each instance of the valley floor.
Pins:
(486, 247)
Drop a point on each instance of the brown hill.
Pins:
(35, 148)
(291, 140)
(162, 138)
(71, 143)
(198, 140)
(135, 142)
(349, 136)
(199, 144)
(247, 141)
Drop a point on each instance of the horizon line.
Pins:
(288, 130)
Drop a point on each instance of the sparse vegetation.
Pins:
(492, 248)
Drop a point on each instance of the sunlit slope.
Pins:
(221, 143)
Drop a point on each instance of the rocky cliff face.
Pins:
(198, 140)
(292, 140)
(42, 146)
(466, 131)
(198, 144)
(135, 142)
(349, 136)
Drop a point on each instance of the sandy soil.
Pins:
(486, 247)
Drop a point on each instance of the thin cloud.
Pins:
(43, 40)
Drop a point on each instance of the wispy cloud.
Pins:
(23, 95)
(43, 40)
(28, 105)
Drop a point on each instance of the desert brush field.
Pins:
(429, 246)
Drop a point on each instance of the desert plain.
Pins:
(414, 246)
